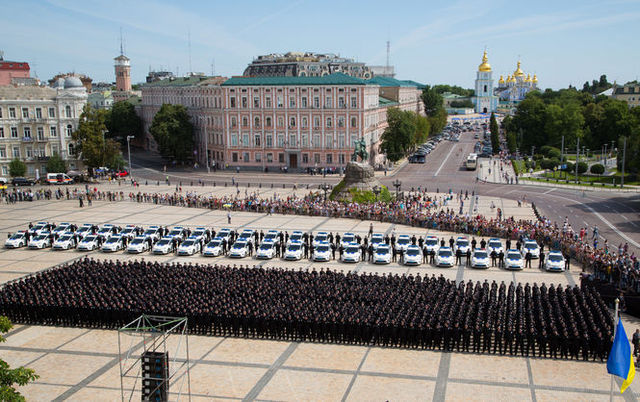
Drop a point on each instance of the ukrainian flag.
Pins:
(620, 362)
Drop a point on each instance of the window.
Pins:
(268, 101)
(341, 141)
(280, 122)
(3, 152)
(316, 101)
(245, 140)
(292, 141)
(29, 152)
(257, 140)
(256, 101)
(25, 112)
(328, 102)
(245, 122)
(234, 140)
(354, 101)
(316, 158)
(316, 141)
(52, 112)
(245, 156)
(292, 122)
(54, 150)
(0, 112)
(69, 130)
(269, 158)
(280, 140)
(354, 122)
(71, 150)
(268, 122)
(256, 122)
(303, 102)
(268, 141)
(27, 132)
(340, 121)
(1, 132)
(329, 122)
(38, 113)
(279, 100)
(53, 132)
(234, 122)
(305, 158)
(341, 159)
(67, 111)
(12, 112)
(341, 102)
(234, 156)
(329, 158)
(292, 102)
(5, 170)
(328, 141)
(258, 157)
(40, 131)
(14, 132)
(281, 158)
(244, 102)
(16, 152)
(304, 141)
(305, 122)
(233, 104)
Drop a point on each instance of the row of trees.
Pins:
(406, 130)
(55, 164)
(545, 118)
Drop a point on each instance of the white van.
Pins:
(58, 178)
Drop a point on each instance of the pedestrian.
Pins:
(527, 259)
(229, 218)
(541, 261)
(370, 229)
(636, 342)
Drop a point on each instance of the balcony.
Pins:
(43, 158)
(27, 139)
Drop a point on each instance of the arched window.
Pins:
(69, 130)
(268, 121)
(256, 122)
(71, 149)
(292, 122)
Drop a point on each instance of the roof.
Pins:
(386, 102)
(27, 92)
(392, 82)
(331, 79)
(14, 65)
(417, 84)
(185, 81)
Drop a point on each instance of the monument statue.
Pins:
(360, 149)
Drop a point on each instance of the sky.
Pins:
(434, 42)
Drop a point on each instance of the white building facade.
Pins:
(484, 100)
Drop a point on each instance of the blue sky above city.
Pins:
(563, 42)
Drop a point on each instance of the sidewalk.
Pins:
(493, 170)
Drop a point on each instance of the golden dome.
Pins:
(528, 79)
(485, 66)
(501, 80)
(518, 72)
(535, 78)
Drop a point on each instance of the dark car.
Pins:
(22, 181)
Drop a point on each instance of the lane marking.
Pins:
(615, 229)
(445, 160)
(548, 191)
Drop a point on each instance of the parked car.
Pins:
(22, 181)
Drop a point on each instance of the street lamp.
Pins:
(397, 184)
(376, 191)
(129, 138)
(325, 187)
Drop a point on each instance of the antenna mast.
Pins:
(388, 51)
(189, 37)
(121, 47)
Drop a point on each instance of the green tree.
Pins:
(56, 164)
(398, 138)
(511, 142)
(122, 121)
(495, 134)
(17, 168)
(463, 103)
(91, 145)
(454, 89)
(423, 129)
(597, 169)
(438, 121)
(432, 101)
(9, 377)
(173, 131)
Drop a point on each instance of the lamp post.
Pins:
(325, 187)
(376, 191)
(397, 184)
(129, 138)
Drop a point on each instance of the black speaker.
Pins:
(155, 376)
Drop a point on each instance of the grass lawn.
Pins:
(559, 177)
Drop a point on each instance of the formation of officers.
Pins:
(323, 306)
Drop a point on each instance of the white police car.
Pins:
(178, 232)
(84, 230)
(225, 233)
(272, 236)
(39, 241)
(462, 244)
(532, 247)
(113, 244)
(319, 238)
(347, 238)
(266, 250)
(213, 248)
(202, 233)
(240, 249)
(17, 240)
(352, 253)
(412, 255)
(296, 236)
(322, 252)
(293, 251)
(63, 227)
(190, 246)
(153, 232)
(376, 240)
(129, 232)
(432, 243)
(495, 244)
(513, 260)
(138, 245)
(105, 231)
(65, 242)
(444, 257)
(554, 261)
(89, 243)
(382, 254)
(402, 242)
(480, 258)
(163, 246)
(246, 236)
(39, 227)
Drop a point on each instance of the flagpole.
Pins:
(615, 326)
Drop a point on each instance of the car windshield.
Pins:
(376, 240)
(321, 237)
(65, 238)
(462, 243)
(530, 245)
(214, 243)
(352, 250)
(480, 254)
(175, 233)
(128, 230)
(403, 240)
(495, 244)
(84, 229)
(238, 246)
(223, 233)
(41, 237)
(555, 258)
(89, 239)
(296, 236)
(445, 253)
(17, 236)
(294, 247)
(113, 240)
(104, 230)
(348, 238)
(270, 236)
(188, 243)
(431, 242)
(137, 241)
(382, 250)
(163, 242)
(266, 247)
(323, 249)
(38, 227)
(514, 256)
(412, 252)
(199, 233)
(149, 232)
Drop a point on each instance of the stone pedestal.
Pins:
(358, 175)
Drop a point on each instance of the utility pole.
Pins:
(562, 156)
(206, 150)
(624, 155)
(577, 158)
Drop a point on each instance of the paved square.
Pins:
(82, 363)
